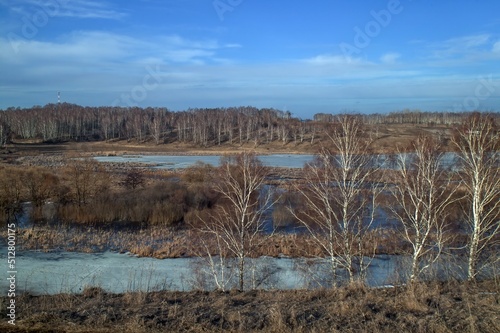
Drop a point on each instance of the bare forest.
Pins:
(201, 127)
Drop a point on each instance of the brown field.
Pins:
(434, 307)
(386, 138)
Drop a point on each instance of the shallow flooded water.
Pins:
(294, 161)
(66, 272)
(180, 162)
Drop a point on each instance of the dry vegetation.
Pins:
(156, 213)
(172, 243)
(434, 307)
(80, 205)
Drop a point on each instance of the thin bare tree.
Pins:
(216, 259)
(340, 199)
(478, 144)
(4, 132)
(238, 224)
(422, 192)
(156, 124)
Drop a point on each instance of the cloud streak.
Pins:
(462, 47)
(390, 58)
(83, 9)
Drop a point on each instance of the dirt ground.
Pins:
(444, 307)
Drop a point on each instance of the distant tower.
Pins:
(58, 97)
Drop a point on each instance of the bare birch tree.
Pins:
(215, 258)
(422, 192)
(478, 144)
(4, 133)
(340, 199)
(156, 124)
(239, 222)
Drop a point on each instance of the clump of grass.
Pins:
(142, 251)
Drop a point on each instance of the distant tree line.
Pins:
(407, 116)
(202, 127)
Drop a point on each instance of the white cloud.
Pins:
(468, 42)
(86, 47)
(89, 9)
(98, 46)
(390, 58)
(323, 60)
(64, 8)
(178, 41)
(460, 46)
(496, 47)
(195, 56)
(233, 46)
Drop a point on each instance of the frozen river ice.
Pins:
(68, 272)
(180, 162)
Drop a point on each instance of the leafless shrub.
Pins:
(133, 179)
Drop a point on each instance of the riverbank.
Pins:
(431, 307)
(162, 243)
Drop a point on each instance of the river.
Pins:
(70, 272)
(294, 161)
(180, 162)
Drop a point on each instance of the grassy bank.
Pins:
(164, 243)
(434, 307)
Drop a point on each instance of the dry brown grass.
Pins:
(90, 239)
(161, 242)
(433, 307)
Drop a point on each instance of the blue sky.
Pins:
(303, 57)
